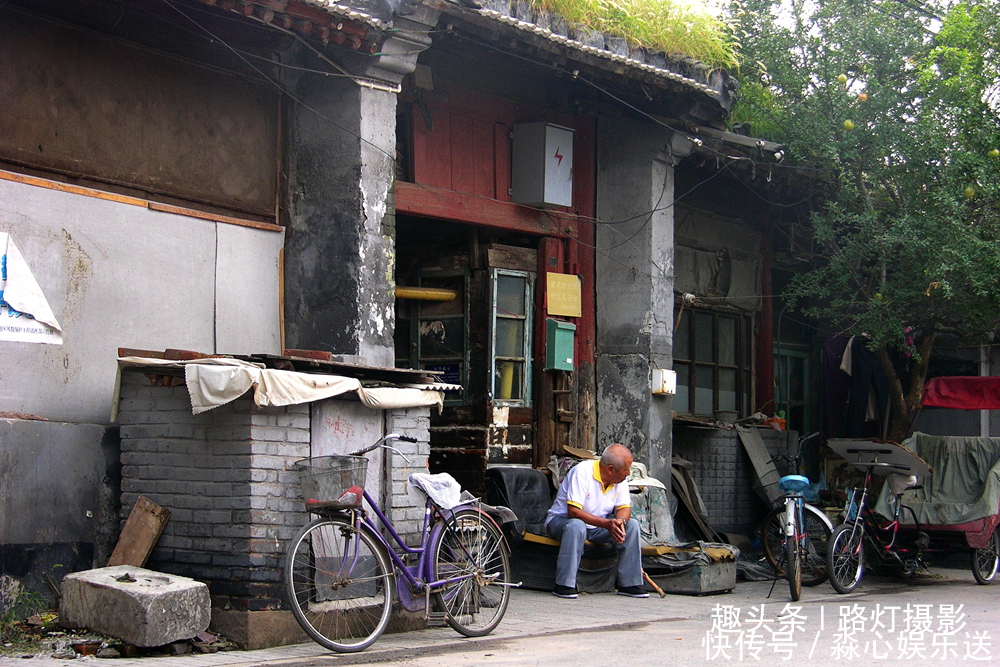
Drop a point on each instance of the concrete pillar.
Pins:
(635, 193)
(340, 240)
(339, 250)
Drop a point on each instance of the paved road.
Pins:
(930, 620)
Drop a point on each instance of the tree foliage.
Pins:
(897, 102)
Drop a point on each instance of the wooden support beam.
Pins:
(431, 202)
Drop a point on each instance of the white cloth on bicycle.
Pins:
(442, 488)
(899, 483)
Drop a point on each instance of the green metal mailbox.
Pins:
(559, 337)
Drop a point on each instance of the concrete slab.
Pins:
(138, 606)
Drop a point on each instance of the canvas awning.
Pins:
(963, 393)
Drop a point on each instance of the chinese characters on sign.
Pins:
(855, 632)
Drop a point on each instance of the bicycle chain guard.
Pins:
(407, 598)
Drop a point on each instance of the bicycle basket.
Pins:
(332, 482)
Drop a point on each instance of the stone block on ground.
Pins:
(136, 605)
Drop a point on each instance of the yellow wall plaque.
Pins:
(563, 294)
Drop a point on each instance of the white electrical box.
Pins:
(542, 165)
(664, 381)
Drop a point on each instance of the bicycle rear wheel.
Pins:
(985, 561)
(794, 566)
(845, 559)
(813, 551)
(470, 549)
(339, 582)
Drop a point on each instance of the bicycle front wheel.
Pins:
(793, 564)
(339, 582)
(817, 539)
(470, 552)
(845, 559)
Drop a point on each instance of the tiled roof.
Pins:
(347, 12)
(593, 50)
(511, 14)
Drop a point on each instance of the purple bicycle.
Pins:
(340, 571)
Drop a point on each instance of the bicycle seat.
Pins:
(793, 483)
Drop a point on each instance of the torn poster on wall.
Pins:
(25, 315)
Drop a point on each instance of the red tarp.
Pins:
(963, 393)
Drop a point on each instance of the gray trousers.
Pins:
(572, 533)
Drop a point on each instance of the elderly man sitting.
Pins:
(593, 504)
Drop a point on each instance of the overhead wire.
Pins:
(577, 77)
(730, 159)
(242, 55)
(278, 85)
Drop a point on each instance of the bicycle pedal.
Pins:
(436, 619)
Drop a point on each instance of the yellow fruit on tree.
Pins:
(994, 153)
(848, 125)
(842, 78)
(969, 193)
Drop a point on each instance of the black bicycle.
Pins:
(809, 528)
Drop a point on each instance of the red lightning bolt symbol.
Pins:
(559, 157)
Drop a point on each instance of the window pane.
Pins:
(746, 331)
(796, 379)
(727, 342)
(746, 393)
(704, 389)
(451, 373)
(401, 341)
(510, 295)
(441, 308)
(681, 337)
(703, 337)
(508, 381)
(727, 389)
(797, 418)
(442, 338)
(682, 399)
(510, 338)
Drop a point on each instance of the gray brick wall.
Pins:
(725, 475)
(227, 478)
(408, 515)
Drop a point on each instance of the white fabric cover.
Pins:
(217, 381)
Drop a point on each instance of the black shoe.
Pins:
(568, 592)
(633, 592)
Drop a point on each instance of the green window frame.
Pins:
(512, 307)
(794, 396)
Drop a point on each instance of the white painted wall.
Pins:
(118, 275)
(340, 427)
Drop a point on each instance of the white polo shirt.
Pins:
(584, 490)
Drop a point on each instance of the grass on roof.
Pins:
(660, 25)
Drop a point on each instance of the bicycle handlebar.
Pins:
(381, 442)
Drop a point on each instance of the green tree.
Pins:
(896, 102)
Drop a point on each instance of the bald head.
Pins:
(617, 456)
